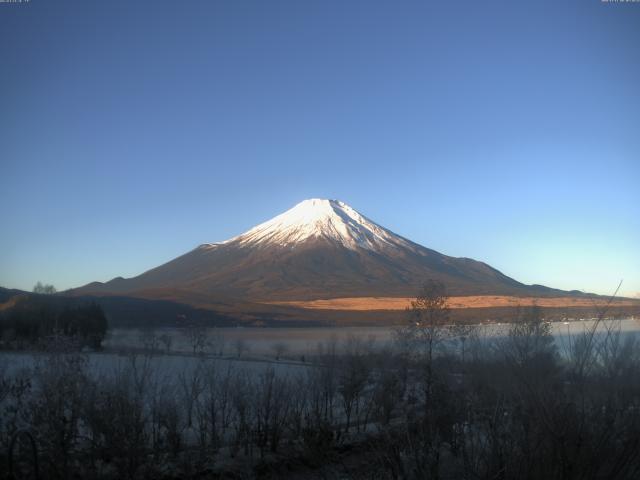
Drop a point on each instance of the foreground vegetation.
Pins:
(443, 403)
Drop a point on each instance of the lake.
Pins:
(306, 341)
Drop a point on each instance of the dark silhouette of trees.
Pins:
(85, 322)
(44, 289)
(34, 320)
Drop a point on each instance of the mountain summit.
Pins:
(319, 249)
(316, 218)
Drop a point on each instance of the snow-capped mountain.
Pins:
(316, 250)
(318, 218)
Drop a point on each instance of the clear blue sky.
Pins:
(132, 131)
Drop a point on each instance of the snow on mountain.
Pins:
(319, 218)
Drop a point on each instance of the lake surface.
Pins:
(308, 341)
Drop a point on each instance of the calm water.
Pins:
(307, 341)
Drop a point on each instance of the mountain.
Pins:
(318, 249)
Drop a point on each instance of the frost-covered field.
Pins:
(106, 364)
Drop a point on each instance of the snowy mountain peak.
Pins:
(317, 218)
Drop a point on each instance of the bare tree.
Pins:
(582, 350)
(196, 337)
(55, 409)
(166, 341)
(45, 289)
(272, 400)
(241, 346)
(217, 342)
(191, 385)
(428, 326)
(387, 394)
(461, 333)
(352, 379)
(149, 340)
(116, 421)
(529, 339)
(279, 349)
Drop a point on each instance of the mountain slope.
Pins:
(317, 249)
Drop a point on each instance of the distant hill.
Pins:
(8, 293)
(122, 311)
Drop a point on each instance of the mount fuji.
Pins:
(319, 249)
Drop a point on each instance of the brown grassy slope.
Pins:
(474, 301)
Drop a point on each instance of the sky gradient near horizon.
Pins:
(132, 131)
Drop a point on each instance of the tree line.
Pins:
(34, 320)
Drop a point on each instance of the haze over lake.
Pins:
(304, 341)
